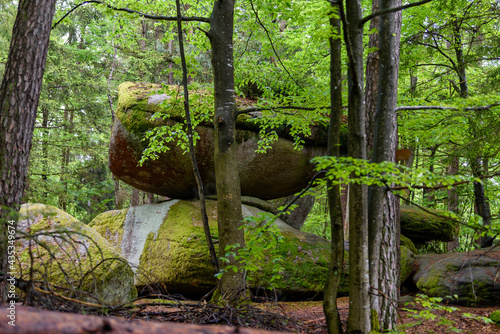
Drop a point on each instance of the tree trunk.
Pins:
(359, 301)
(459, 53)
(232, 286)
(453, 200)
(45, 150)
(332, 316)
(429, 193)
(19, 94)
(298, 216)
(31, 320)
(481, 202)
(372, 77)
(135, 199)
(382, 207)
(65, 155)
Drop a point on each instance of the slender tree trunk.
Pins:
(65, 157)
(45, 150)
(196, 171)
(481, 201)
(383, 209)
(459, 53)
(359, 301)
(453, 200)
(19, 95)
(332, 316)
(135, 199)
(429, 193)
(232, 286)
(298, 216)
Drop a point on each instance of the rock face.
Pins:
(472, 276)
(420, 226)
(167, 243)
(75, 249)
(280, 172)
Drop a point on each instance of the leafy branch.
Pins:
(131, 11)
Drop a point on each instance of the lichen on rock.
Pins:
(471, 276)
(68, 253)
(281, 171)
(176, 257)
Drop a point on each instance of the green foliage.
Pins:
(432, 309)
(262, 238)
(201, 112)
(343, 170)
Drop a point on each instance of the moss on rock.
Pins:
(409, 244)
(470, 276)
(495, 316)
(176, 255)
(421, 226)
(280, 172)
(407, 263)
(70, 254)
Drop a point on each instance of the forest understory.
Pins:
(294, 317)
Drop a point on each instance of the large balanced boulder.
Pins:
(281, 171)
(471, 276)
(166, 244)
(67, 253)
(421, 226)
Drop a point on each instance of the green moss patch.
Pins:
(421, 226)
(175, 255)
(69, 254)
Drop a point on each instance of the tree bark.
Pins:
(19, 95)
(232, 286)
(298, 216)
(359, 301)
(382, 207)
(330, 308)
(453, 199)
(372, 78)
(29, 320)
(481, 202)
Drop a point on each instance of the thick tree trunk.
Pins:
(372, 77)
(332, 316)
(232, 285)
(359, 303)
(382, 207)
(19, 94)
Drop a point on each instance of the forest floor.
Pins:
(308, 317)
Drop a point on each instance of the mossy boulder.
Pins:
(167, 245)
(69, 254)
(409, 244)
(407, 263)
(421, 226)
(472, 276)
(495, 316)
(279, 172)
